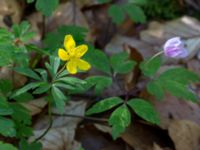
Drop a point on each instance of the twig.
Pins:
(49, 127)
(83, 117)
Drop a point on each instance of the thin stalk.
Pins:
(83, 117)
(50, 124)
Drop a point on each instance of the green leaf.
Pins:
(121, 64)
(104, 105)
(135, 13)
(54, 40)
(44, 87)
(151, 66)
(24, 97)
(5, 86)
(104, 1)
(59, 99)
(27, 72)
(47, 6)
(23, 130)
(6, 55)
(119, 120)
(64, 85)
(116, 13)
(5, 146)
(7, 127)
(138, 2)
(43, 74)
(145, 110)
(25, 145)
(30, 1)
(71, 80)
(99, 82)
(180, 75)
(155, 88)
(21, 114)
(55, 62)
(179, 90)
(5, 108)
(27, 87)
(99, 60)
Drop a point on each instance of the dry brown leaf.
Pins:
(12, 9)
(185, 135)
(35, 106)
(171, 108)
(18, 79)
(63, 15)
(61, 135)
(143, 137)
(117, 43)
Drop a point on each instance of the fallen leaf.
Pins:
(10, 12)
(61, 135)
(143, 137)
(65, 15)
(185, 135)
(35, 106)
(171, 108)
(18, 79)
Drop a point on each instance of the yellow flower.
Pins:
(73, 54)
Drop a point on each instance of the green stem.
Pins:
(83, 117)
(50, 124)
(157, 54)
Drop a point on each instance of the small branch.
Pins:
(49, 127)
(82, 117)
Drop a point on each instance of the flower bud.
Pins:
(175, 48)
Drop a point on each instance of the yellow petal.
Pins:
(69, 43)
(81, 50)
(83, 65)
(63, 55)
(72, 66)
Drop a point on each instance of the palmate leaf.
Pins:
(145, 110)
(179, 90)
(175, 81)
(99, 82)
(135, 13)
(104, 105)
(155, 88)
(121, 64)
(116, 13)
(180, 75)
(119, 120)
(99, 60)
(151, 66)
(5, 108)
(21, 114)
(27, 72)
(7, 127)
(5, 86)
(46, 6)
(25, 145)
(59, 98)
(6, 146)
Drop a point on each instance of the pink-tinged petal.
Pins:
(174, 48)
